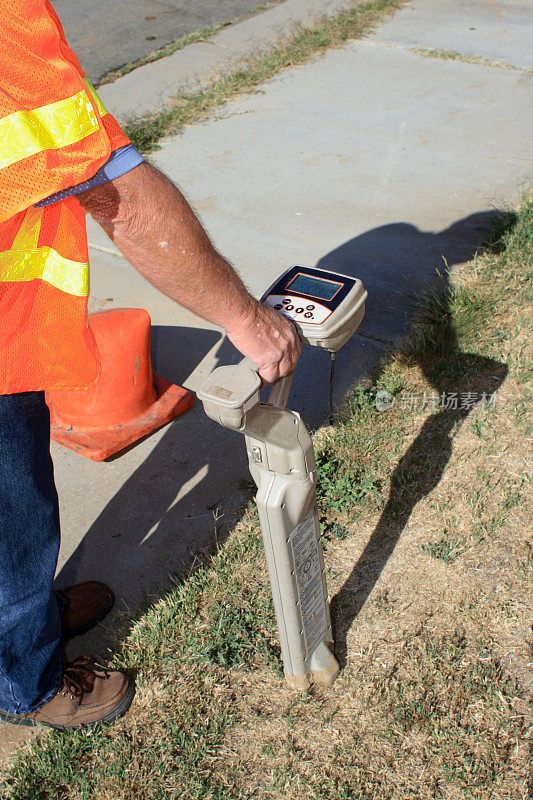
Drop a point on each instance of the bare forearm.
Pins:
(154, 227)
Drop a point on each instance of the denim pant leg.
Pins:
(30, 661)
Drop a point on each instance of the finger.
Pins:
(269, 374)
(286, 366)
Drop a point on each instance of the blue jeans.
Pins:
(30, 626)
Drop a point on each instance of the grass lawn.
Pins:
(427, 532)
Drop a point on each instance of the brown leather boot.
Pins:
(83, 606)
(87, 695)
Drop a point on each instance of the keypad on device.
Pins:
(297, 309)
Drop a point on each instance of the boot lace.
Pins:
(79, 677)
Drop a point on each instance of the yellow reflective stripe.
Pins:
(102, 110)
(47, 265)
(26, 262)
(50, 127)
(28, 233)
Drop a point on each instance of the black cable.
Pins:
(332, 360)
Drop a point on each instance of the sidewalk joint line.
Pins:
(379, 339)
(108, 250)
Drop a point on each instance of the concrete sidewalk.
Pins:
(374, 160)
(149, 89)
(492, 30)
(139, 27)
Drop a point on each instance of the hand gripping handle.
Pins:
(229, 392)
(279, 391)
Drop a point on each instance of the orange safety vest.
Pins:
(54, 134)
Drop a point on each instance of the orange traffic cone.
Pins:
(128, 402)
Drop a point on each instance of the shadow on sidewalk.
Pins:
(147, 517)
(168, 508)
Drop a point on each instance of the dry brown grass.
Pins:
(431, 602)
(475, 611)
(432, 701)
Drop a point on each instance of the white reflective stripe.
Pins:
(49, 127)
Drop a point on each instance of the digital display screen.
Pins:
(314, 287)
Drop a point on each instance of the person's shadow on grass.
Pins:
(459, 381)
(143, 533)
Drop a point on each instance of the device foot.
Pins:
(300, 682)
(325, 677)
(324, 665)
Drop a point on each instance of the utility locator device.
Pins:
(326, 307)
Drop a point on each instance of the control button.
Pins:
(299, 311)
(286, 301)
(289, 308)
(310, 308)
(308, 314)
(278, 306)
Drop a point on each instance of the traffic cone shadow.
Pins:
(128, 402)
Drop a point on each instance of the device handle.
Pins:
(247, 362)
(279, 391)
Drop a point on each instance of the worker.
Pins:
(62, 155)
